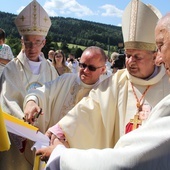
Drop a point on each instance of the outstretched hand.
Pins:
(46, 152)
(31, 111)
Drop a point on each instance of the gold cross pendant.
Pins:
(136, 121)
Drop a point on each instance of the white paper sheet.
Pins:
(21, 128)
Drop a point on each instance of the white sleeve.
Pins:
(54, 160)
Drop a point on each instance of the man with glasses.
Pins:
(28, 70)
(66, 91)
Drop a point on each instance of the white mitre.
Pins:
(138, 24)
(33, 20)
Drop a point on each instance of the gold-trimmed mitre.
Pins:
(33, 20)
(138, 24)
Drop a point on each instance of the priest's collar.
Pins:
(86, 85)
(158, 74)
(156, 71)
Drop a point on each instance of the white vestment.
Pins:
(100, 119)
(58, 97)
(73, 66)
(143, 149)
(16, 80)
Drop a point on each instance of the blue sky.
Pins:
(101, 11)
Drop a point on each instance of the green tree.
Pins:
(64, 47)
(15, 44)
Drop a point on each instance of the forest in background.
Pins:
(68, 34)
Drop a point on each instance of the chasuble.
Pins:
(101, 118)
(144, 148)
(58, 97)
(15, 81)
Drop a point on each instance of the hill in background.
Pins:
(72, 31)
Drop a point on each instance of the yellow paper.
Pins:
(17, 121)
(21, 128)
(4, 142)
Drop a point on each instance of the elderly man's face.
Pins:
(162, 36)
(33, 45)
(140, 63)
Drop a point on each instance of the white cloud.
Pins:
(74, 9)
(20, 9)
(66, 7)
(111, 10)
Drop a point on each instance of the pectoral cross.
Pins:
(136, 121)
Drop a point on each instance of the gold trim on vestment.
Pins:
(133, 20)
(140, 45)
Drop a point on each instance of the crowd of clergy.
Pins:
(98, 111)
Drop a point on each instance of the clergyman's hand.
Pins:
(51, 136)
(31, 111)
(61, 142)
(45, 152)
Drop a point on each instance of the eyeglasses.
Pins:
(90, 67)
(29, 44)
(58, 56)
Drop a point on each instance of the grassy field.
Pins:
(73, 45)
(78, 46)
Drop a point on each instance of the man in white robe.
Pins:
(109, 110)
(18, 78)
(28, 70)
(56, 98)
(144, 148)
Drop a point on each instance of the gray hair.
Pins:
(165, 22)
